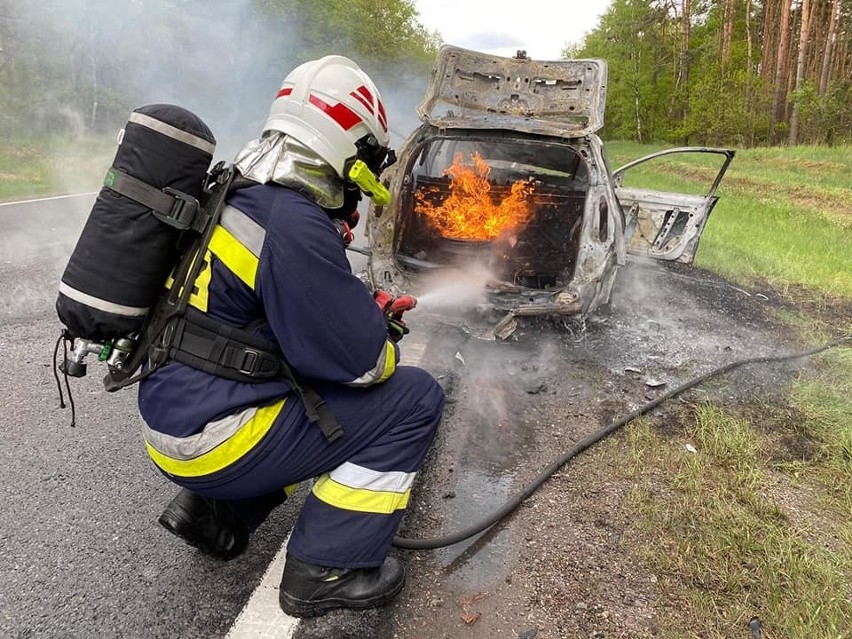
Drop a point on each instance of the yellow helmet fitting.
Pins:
(367, 181)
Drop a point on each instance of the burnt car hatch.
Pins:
(472, 90)
(663, 225)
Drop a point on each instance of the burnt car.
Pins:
(507, 172)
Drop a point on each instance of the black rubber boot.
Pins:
(308, 590)
(208, 524)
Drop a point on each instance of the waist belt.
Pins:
(211, 346)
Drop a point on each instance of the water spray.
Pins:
(454, 289)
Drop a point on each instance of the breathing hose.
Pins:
(594, 438)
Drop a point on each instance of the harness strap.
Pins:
(216, 348)
(168, 205)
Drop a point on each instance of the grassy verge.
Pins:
(731, 539)
(39, 168)
(758, 520)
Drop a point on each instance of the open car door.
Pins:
(663, 225)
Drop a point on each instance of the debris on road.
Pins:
(470, 616)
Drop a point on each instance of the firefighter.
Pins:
(277, 267)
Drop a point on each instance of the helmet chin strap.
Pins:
(351, 197)
(367, 181)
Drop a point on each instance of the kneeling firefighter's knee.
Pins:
(431, 395)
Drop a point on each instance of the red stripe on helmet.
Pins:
(283, 92)
(365, 92)
(383, 118)
(360, 99)
(340, 113)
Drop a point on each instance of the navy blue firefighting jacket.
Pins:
(276, 263)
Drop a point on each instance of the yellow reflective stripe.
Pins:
(289, 490)
(201, 292)
(359, 499)
(390, 361)
(236, 257)
(226, 453)
(199, 297)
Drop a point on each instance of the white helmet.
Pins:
(331, 106)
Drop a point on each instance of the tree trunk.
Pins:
(829, 47)
(638, 110)
(727, 34)
(749, 72)
(781, 61)
(804, 33)
(94, 69)
(681, 88)
(767, 68)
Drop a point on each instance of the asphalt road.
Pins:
(81, 554)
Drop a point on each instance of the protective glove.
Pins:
(393, 308)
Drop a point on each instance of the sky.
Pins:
(542, 27)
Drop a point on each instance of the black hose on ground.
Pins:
(517, 500)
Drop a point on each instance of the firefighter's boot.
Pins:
(208, 524)
(308, 590)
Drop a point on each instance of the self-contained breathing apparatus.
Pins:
(124, 295)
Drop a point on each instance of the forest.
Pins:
(72, 67)
(740, 72)
(734, 72)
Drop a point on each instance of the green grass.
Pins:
(784, 215)
(825, 403)
(24, 171)
(738, 529)
(41, 168)
(723, 549)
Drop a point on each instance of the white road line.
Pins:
(262, 617)
(46, 199)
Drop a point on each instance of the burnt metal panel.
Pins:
(473, 90)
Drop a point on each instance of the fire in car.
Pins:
(507, 172)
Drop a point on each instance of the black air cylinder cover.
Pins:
(125, 254)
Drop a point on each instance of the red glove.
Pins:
(345, 226)
(345, 230)
(393, 308)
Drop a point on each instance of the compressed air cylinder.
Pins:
(125, 254)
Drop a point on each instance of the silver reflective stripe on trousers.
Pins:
(356, 476)
(185, 448)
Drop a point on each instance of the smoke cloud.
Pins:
(222, 59)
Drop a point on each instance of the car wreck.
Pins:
(507, 172)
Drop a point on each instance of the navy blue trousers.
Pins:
(354, 509)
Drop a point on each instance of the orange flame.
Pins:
(469, 213)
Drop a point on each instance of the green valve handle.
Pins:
(105, 352)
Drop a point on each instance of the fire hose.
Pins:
(505, 510)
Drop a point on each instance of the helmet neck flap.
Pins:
(284, 160)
